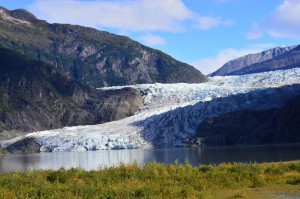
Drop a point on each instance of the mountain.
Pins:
(95, 58)
(258, 62)
(36, 96)
(173, 112)
(288, 60)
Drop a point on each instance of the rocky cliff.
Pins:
(36, 96)
(95, 58)
(277, 125)
(252, 63)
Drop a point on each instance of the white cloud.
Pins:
(207, 22)
(125, 15)
(210, 64)
(256, 32)
(283, 22)
(151, 39)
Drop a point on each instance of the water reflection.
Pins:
(95, 160)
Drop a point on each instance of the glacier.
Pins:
(172, 112)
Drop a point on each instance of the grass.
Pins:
(157, 180)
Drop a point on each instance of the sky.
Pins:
(203, 33)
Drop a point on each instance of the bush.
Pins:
(153, 180)
(294, 181)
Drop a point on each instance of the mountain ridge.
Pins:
(95, 58)
(287, 60)
(243, 63)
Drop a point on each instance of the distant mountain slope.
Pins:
(36, 96)
(287, 60)
(93, 57)
(246, 62)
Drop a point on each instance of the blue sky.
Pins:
(204, 33)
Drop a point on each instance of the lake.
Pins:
(93, 160)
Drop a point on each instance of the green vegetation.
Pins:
(2, 151)
(156, 180)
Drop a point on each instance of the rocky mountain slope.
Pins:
(36, 96)
(257, 62)
(290, 59)
(277, 125)
(95, 58)
(172, 112)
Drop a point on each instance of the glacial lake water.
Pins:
(93, 160)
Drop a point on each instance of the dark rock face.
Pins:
(257, 62)
(36, 96)
(27, 145)
(253, 126)
(93, 57)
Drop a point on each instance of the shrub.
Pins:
(153, 180)
(294, 181)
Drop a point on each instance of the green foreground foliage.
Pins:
(2, 151)
(154, 180)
